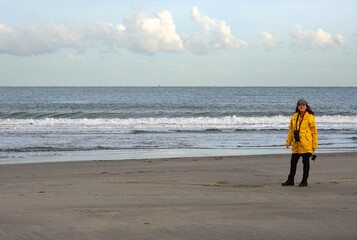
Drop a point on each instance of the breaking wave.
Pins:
(143, 125)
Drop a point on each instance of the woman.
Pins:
(303, 135)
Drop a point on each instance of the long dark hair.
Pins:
(308, 109)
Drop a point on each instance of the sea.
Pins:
(53, 124)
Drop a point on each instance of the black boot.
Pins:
(288, 183)
(303, 183)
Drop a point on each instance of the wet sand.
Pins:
(188, 198)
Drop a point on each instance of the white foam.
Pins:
(168, 124)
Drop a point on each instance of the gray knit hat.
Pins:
(302, 101)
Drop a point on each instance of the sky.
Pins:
(174, 43)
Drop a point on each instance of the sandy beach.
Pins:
(188, 198)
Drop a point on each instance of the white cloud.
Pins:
(146, 34)
(340, 40)
(74, 57)
(152, 34)
(215, 35)
(268, 41)
(205, 22)
(38, 39)
(126, 59)
(316, 40)
(140, 33)
(181, 68)
(349, 71)
(328, 70)
(271, 70)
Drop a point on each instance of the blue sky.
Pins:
(167, 43)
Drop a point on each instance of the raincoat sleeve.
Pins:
(291, 133)
(313, 129)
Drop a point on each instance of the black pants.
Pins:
(293, 162)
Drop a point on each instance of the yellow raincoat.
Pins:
(308, 134)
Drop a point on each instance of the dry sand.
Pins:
(190, 198)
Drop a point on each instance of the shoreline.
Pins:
(227, 197)
(162, 153)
